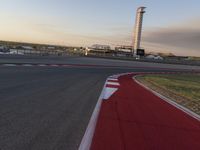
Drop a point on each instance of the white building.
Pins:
(126, 49)
(97, 48)
(100, 47)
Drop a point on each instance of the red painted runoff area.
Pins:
(135, 119)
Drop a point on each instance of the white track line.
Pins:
(9, 65)
(88, 136)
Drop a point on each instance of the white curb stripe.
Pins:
(112, 83)
(109, 92)
(113, 79)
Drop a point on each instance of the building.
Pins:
(100, 47)
(97, 48)
(123, 50)
(4, 49)
(138, 29)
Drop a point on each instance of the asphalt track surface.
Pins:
(48, 108)
(5, 59)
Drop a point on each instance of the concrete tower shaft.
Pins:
(138, 28)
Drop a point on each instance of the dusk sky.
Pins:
(169, 26)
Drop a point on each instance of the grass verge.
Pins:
(181, 88)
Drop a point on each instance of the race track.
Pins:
(48, 108)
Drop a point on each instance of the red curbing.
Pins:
(135, 118)
(112, 86)
(109, 89)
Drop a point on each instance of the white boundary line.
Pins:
(9, 65)
(88, 136)
(178, 106)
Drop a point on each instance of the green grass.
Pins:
(184, 85)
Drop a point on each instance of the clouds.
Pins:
(183, 38)
(186, 38)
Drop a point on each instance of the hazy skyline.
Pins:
(169, 26)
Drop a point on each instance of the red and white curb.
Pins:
(111, 86)
(88, 136)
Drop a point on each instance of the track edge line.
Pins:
(89, 133)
